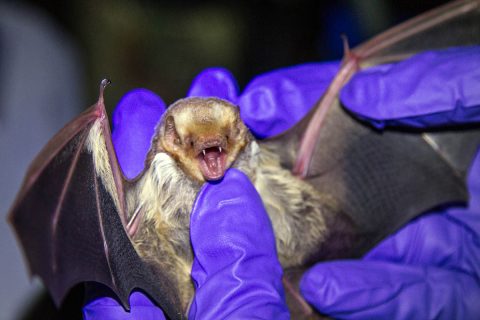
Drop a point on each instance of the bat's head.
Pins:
(204, 136)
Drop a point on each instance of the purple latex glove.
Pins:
(134, 121)
(235, 270)
(430, 269)
(431, 89)
(104, 307)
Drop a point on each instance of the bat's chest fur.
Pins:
(165, 197)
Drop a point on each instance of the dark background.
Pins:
(160, 45)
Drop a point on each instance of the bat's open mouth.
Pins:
(213, 162)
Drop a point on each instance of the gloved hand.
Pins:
(430, 269)
(235, 270)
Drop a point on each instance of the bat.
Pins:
(80, 220)
(197, 140)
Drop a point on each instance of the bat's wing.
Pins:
(70, 216)
(383, 179)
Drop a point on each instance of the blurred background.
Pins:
(53, 55)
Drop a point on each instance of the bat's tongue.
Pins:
(212, 163)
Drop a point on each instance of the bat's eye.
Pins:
(191, 144)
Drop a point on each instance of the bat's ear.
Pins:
(171, 135)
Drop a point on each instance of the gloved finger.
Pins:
(134, 121)
(235, 270)
(432, 240)
(429, 89)
(275, 101)
(215, 82)
(107, 308)
(470, 218)
(385, 290)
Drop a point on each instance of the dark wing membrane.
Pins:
(71, 226)
(381, 180)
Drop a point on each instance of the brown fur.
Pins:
(167, 190)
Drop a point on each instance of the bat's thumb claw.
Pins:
(103, 84)
(348, 53)
(346, 45)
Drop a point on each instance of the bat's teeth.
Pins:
(220, 149)
(203, 152)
